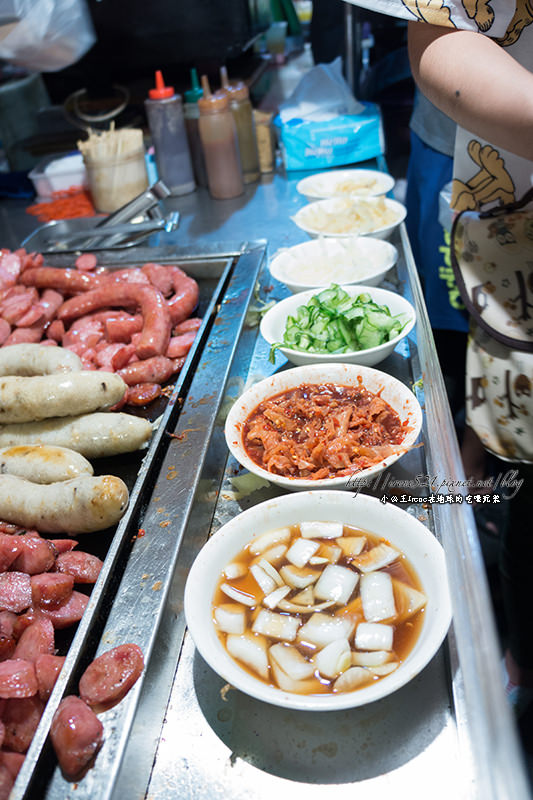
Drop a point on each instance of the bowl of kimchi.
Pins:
(322, 426)
(354, 324)
(387, 613)
(348, 216)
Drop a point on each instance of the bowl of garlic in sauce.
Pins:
(320, 600)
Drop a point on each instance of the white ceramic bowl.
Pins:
(343, 182)
(361, 216)
(400, 528)
(321, 261)
(393, 391)
(274, 321)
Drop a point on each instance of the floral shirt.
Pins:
(499, 380)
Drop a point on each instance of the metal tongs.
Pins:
(115, 231)
(123, 235)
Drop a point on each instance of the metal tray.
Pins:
(449, 733)
(127, 601)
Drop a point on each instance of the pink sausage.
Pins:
(6, 782)
(50, 302)
(34, 315)
(121, 329)
(66, 281)
(12, 762)
(21, 717)
(38, 638)
(128, 275)
(36, 555)
(5, 330)
(159, 276)
(77, 735)
(47, 669)
(17, 305)
(7, 622)
(87, 261)
(49, 589)
(152, 370)
(112, 357)
(17, 679)
(9, 548)
(191, 324)
(31, 335)
(180, 345)
(68, 613)
(56, 330)
(81, 567)
(142, 393)
(184, 301)
(110, 676)
(15, 591)
(63, 545)
(10, 268)
(156, 318)
(7, 646)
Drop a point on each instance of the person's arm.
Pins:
(475, 82)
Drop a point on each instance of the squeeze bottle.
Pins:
(191, 113)
(220, 145)
(167, 128)
(241, 108)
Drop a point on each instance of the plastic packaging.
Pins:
(219, 141)
(46, 35)
(241, 108)
(167, 127)
(191, 112)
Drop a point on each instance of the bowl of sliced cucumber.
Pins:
(354, 324)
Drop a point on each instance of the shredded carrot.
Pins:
(69, 204)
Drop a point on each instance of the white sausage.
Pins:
(80, 505)
(93, 435)
(37, 359)
(45, 396)
(43, 463)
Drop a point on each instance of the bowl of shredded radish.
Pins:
(346, 182)
(325, 260)
(348, 216)
(319, 601)
(354, 324)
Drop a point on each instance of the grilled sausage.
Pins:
(93, 435)
(43, 463)
(109, 677)
(44, 396)
(77, 735)
(80, 505)
(28, 360)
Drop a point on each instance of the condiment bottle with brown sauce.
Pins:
(241, 108)
(220, 144)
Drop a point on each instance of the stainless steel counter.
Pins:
(448, 734)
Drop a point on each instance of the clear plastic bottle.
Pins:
(167, 127)
(241, 108)
(219, 141)
(191, 112)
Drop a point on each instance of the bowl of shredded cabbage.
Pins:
(348, 216)
(354, 324)
(255, 608)
(324, 260)
(344, 183)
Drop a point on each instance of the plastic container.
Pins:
(220, 145)
(167, 127)
(116, 180)
(264, 136)
(191, 112)
(241, 108)
(59, 174)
